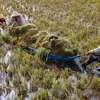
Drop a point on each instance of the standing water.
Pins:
(3, 78)
(1, 31)
(7, 57)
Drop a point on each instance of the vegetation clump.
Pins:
(58, 47)
(25, 33)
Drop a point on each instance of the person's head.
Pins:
(2, 21)
(15, 18)
(15, 15)
(2, 18)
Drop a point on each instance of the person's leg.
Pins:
(77, 62)
(90, 60)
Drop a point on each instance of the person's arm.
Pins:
(95, 51)
(11, 21)
(1, 25)
(4, 20)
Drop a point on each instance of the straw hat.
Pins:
(1, 16)
(15, 14)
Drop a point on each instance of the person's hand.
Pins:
(87, 53)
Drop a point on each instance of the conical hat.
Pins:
(1, 16)
(15, 13)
